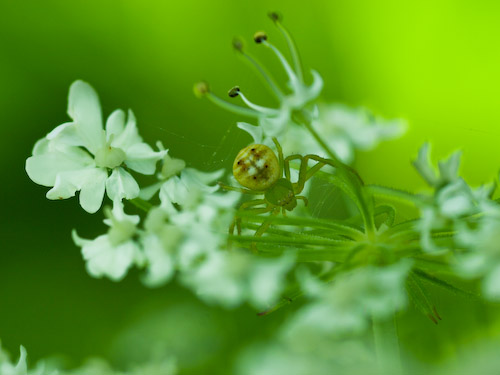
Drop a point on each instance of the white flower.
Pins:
(230, 278)
(297, 98)
(113, 253)
(8, 368)
(452, 201)
(78, 155)
(159, 240)
(346, 130)
(447, 169)
(481, 239)
(348, 303)
(189, 188)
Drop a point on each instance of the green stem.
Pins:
(337, 255)
(141, 204)
(290, 241)
(387, 345)
(343, 229)
(396, 194)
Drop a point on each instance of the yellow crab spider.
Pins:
(260, 172)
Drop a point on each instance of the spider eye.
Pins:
(256, 167)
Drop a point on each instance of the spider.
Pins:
(260, 172)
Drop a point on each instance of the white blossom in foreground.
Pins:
(230, 278)
(452, 201)
(326, 335)
(481, 238)
(348, 304)
(82, 156)
(113, 253)
(9, 368)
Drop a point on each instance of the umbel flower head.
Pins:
(332, 131)
(298, 94)
(82, 156)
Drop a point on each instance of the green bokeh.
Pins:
(434, 63)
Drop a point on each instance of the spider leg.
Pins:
(306, 201)
(263, 228)
(241, 190)
(280, 155)
(287, 164)
(305, 174)
(334, 164)
(245, 206)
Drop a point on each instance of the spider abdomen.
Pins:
(256, 167)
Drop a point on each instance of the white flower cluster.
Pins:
(7, 367)
(82, 156)
(330, 322)
(345, 129)
(185, 233)
(470, 213)
(95, 366)
(452, 201)
(342, 129)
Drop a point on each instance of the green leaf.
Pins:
(444, 284)
(418, 296)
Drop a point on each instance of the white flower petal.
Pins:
(424, 166)
(43, 168)
(84, 108)
(149, 191)
(313, 91)
(121, 185)
(267, 280)
(129, 136)
(115, 123)
(69, 182)
(141, 158)
(254, 131)
(160, 261)
(92, 193)
(491, 284)
(105, 260)
(449, 168)
(66, 134)
(21, 367)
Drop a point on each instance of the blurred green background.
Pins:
(434, 63)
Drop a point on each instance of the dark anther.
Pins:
(233, 93)
(238, 44)
(259, 37)
(201, 89)
(275, 16)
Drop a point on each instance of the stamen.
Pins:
(259, 37)
(235, 91)
(239, 46)
(291, 75)
(276, 18)
(202, 89)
